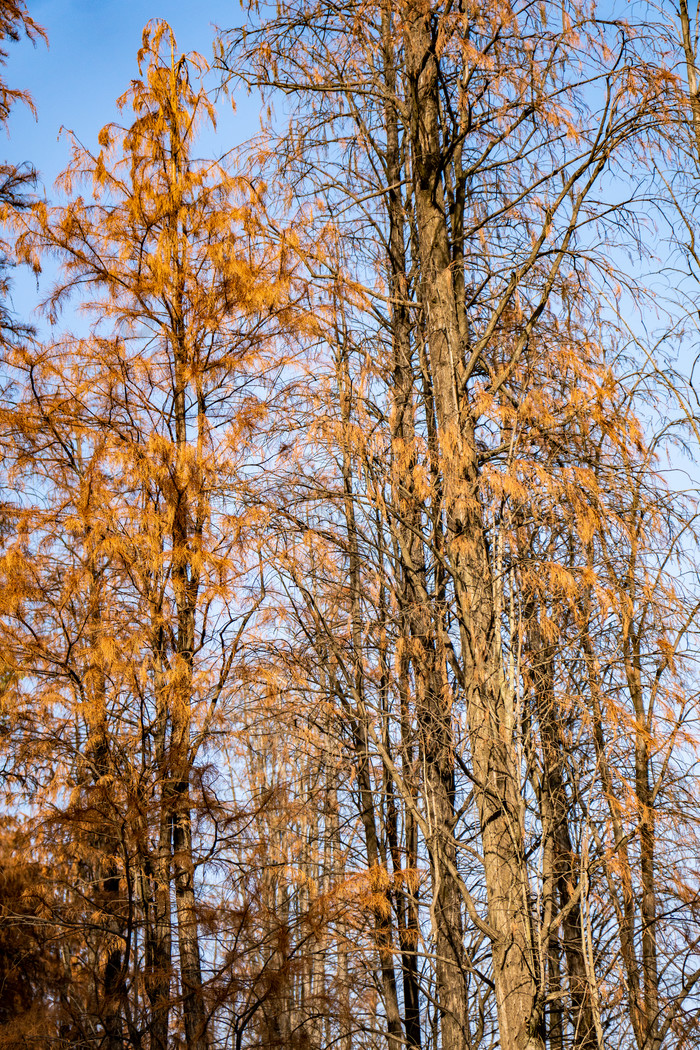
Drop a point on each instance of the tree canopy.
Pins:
(349, 588)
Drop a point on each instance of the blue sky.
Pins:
(89, 62)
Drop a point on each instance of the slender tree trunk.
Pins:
(187, 923)
(565, 861)
(158, 962)
(626, 908)
(186, 541)
(156, 864)
(493, 764)
(377, 870)
(408, 521)
(110, 960)
(433, 703)
(647, 838)
(187, 524)
(337, 872)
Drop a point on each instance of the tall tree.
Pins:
(468, 147)
(141, 432)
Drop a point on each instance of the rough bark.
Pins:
(376, 863)
(110, 961)
(565, 862)
(495, 774)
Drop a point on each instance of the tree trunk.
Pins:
(377, 870)
(565, 862)
(494, 768)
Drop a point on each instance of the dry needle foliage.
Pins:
(348, 607)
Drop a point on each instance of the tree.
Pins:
(347, 612)
(15, 180)
(132, 589)
(467, 148)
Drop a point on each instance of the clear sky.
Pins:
(89, 62)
